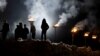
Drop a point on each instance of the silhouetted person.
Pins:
(5, 30)
(44, 28)
(33, 31)
(21, 30)
(17, 32)
(25, 32)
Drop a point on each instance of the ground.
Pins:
(43, 48)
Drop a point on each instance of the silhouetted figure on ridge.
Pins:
(25, 32)
(5, 30)
(44, 28)
(33, 31)
(21, 30)
(17, 32)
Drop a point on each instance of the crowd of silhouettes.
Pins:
(22, 32)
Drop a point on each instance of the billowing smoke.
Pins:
(80, 25)
(40, 9)
(70, 10)
(3, 4)
(90, 20)
(52, 10)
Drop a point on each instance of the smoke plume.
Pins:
(40, 9)
(70, 10)
(3, 4)
(80, 25)
(90, 21)
(59, 10)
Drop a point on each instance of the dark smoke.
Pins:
(90, 20)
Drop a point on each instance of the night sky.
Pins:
(83, 14)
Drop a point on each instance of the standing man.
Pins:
(25, 32)
(17, 32)
(5, 30)
(20, 30)
(44, 28)
(33, 31)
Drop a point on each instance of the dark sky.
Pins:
(16, 11)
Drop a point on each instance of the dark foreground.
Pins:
(43, 48)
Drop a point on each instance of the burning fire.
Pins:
(30, 18)
(86, 34)
(94, 37)
(75, 29)
(56, 25)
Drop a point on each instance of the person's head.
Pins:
(24, 25)
(20, 23)
(44, 20)
(17, 26)
(5, 21)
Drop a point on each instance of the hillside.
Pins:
(43, 48)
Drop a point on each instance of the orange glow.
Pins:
(86, 34)
(74, 30)
(56, 25)
(94, 37)
(30, 18)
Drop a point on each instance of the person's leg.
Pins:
(4, 35)
(42, 35)
(25, 36)
(33, 36)
(45, 35)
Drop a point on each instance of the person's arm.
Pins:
(27, 30)
(47, 26)
(41, 26)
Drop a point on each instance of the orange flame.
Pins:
(86, 34)
(56, 25)
(30, 18)
(75, 29)
(94, 37)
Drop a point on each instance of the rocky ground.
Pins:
(43, 48)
